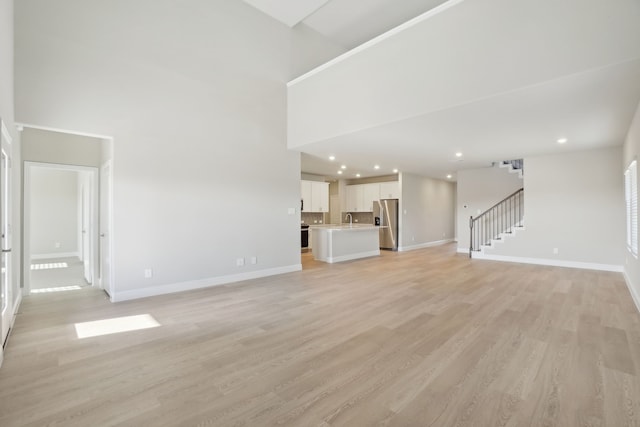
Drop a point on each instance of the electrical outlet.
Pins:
(148, 273)
(291, 211)
(240, 262)
(355, 220)
(555, 251)
(254, 260)
(57, 245)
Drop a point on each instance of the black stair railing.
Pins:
(502, 217)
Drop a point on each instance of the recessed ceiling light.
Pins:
(562, 140)
(332, 158)
(357, 175)
(339, 172)
(449, 176)
(376, 167)
(343, 167)
(458, 154)
(395, 171)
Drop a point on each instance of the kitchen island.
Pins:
(343, 242)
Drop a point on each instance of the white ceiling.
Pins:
(289, 12)
(592, 107)
(348, 23)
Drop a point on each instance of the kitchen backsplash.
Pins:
(313, 218)
(361, 217)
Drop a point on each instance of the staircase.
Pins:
(495, 223)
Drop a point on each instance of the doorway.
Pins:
(8, 301)
(60, 226)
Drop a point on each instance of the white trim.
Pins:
(5, 133)
(56, 255)
(425, 245)
(201, 283)
(632, 291)
(410, 23)
(350, 257)
(14, 315)
(551, 262)
(16, 307)
(58, 130)
(463, 250)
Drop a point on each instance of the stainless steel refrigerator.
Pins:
(385, 214)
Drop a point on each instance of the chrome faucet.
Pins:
(350, 218)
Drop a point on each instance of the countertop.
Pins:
(336, 227)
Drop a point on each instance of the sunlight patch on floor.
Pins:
(49, 266)
(56, 289)
(115, 325)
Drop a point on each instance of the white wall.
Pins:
(573, 202)
(631, 152)
(429, 205)
(477, 191)
(54, 213)
(61, 148)
(194, 95)
(309, 49)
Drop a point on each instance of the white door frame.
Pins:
(13, 292)
(106, 229)
(92, 232)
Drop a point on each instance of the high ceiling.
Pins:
(348, 23)
(591, 104)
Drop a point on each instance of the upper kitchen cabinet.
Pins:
(320, 196)
(305, 191)
(355, 201)
(390, 190)
(371, 193)
(360, 197)
(315, 196)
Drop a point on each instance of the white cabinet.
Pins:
(320, 196)
(315, 196)
(355, 198)
(305, 191)
(390, 190)
(371, 193)
(360, 197)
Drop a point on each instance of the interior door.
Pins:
(105, 228)
(5, 231)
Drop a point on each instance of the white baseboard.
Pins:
(56, 255)
(424, 245)
(16, 307)
(632, 291)
(171, 288)
(463, 250)
(551, 262)
(350, 257)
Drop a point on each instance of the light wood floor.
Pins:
(423, 338)
(47, 278)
